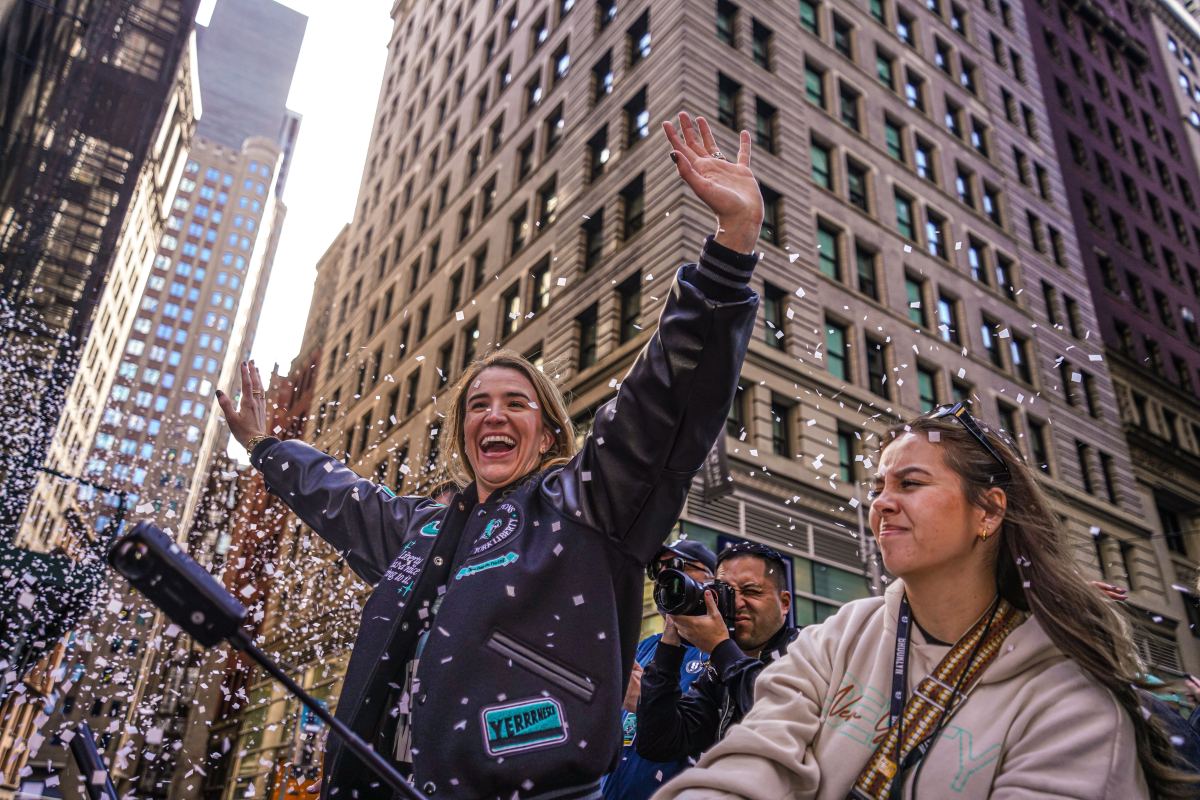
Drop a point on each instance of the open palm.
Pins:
(729, 188)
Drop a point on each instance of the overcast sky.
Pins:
(335, 87)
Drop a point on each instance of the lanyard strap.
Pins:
(915, 722)
(900, 665)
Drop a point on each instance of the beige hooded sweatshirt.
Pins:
(1034, 725)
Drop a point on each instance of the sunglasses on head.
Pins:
(959, 412)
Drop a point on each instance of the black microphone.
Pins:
(96, 780)
(195, 601)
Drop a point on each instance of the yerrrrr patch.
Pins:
(504, 524)
(526, 725)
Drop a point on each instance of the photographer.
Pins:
(672, 725)
(637, 778)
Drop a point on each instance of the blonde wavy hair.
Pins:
(454, 465)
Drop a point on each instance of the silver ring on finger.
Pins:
(718, 154)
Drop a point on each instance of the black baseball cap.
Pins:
(692, 551)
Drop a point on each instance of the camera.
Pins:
(677, 593)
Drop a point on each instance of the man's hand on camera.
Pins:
(705, 631)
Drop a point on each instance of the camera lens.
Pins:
(676, 593)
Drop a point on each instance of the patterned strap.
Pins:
(935, 697)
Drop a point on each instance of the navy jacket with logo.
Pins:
(521, 679)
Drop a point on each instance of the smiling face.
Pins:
(761, 608)
(920, 514)
(504, 432)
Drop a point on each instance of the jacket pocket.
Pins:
(542, 665)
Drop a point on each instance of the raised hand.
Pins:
(729, 188)
(249, 418)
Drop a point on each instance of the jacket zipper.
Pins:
(530, 659)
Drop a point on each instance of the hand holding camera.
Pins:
(705, 630)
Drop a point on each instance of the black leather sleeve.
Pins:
(632, 476)
(363, 520)
(672, 725)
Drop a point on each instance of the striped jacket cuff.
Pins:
(724, 274)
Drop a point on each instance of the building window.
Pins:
(547, 204)
(510, 308)
(829, 250)
(554, 126)
(637, 119)
(924, 160)
(598, 153)
(518, 228)
(727, 22)
(905, 223)
(539, 286)
(991, 341)
(639, 39)
(814, 84)
(866, 262)
(1039, 448)
(772, 212)
(587, 337)
(837, 356)
(1021, 361)
(602, 78)
(765, 121)
(773, 316)
(849, 101)
(808, 17)
(893, 134)
(593, 239)
(947, 312)
(761, 45)
(781, 427)
(927, 395)
(1083, 453)
(630, 292)
(819, 158)
(633, 202)
(606, 12)
(857, 191)
(729, 100)
(877, 367)
(935, 234)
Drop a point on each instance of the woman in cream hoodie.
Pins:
(1040, 679)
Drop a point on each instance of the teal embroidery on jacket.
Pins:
(475, 569)
(968, 762)
(523, 726)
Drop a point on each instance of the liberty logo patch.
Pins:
(498, 530)
(475, 569)
(522, 726)
(628, 730)
(431, 528)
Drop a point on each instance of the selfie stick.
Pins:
(153, 563)
(96, 781)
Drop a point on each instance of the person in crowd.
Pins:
(674, 724)
(990, 668)
(496, 645)
(636, 778)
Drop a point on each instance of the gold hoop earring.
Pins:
(984, 534)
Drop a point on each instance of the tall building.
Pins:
(84, 88)
(919, 247)
(76, 554)
(146, 426)
(1131, 181)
